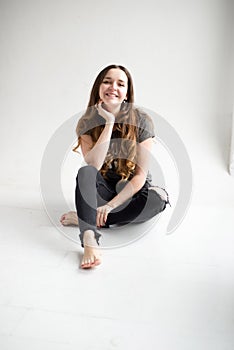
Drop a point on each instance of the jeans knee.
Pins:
(157, 202)
(86, 171)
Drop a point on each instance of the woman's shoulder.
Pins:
(144, 120)
(145, 125)
(88, 122)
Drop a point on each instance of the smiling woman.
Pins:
(116, 140)
(114, 87)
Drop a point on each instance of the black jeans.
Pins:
(92, 191)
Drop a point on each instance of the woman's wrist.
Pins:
(114, 203)
(110, 205)
(110, 122)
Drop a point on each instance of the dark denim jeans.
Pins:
(92, 191)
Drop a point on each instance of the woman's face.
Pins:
(114, 87)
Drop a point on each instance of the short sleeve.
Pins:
(145, 127)
(86, 124)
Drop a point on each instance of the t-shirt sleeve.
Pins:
(145, 128)
(86, 125)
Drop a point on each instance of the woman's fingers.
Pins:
(108, 116)
(102, 219)
(99, 218)
(102, 213)
(105, 217)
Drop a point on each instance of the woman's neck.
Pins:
(114, 109)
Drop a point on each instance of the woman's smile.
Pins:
(111, 95)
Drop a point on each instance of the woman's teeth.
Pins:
(113, 95)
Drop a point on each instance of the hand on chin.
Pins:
(110, 105)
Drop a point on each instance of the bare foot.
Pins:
(69, 218)
(92, 254)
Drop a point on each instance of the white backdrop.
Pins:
(179, 54)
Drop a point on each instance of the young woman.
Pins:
(115, 186)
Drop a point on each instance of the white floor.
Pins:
(163, 292)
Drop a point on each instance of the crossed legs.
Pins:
(92, 253)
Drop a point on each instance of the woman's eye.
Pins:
(109, 82)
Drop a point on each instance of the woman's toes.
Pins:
(97, 262)
(90, 262)
(84, 264)
(63, 218)
(69, 219)
(65, 222)
(87, 266)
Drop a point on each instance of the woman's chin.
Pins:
(111, 104)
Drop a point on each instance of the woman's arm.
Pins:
(135, 184)
(95, 154)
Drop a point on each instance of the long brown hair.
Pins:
(125, 127)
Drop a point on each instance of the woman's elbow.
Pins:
(93, 163)
(139, 181)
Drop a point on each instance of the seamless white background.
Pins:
(171, 293)
(179, 53)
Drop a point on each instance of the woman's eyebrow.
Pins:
(118, 79)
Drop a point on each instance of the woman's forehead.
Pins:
(116, 73)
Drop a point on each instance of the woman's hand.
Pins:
(108, 116)
(102, 213)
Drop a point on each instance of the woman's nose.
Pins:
(114, 85)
